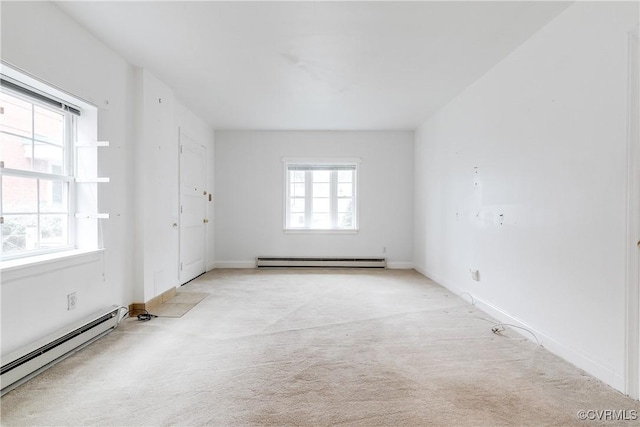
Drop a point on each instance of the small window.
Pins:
(321, 196)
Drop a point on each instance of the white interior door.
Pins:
(193, 208)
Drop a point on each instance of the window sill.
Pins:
(34, 265)
(317, 231)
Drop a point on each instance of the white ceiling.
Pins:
(314, 65)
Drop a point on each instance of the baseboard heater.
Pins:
(320, 262)
(27, 362)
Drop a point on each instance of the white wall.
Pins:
(546, 130)
(156, 190)
(38, 38)
(160, 115)
(140, 259)
(249, 196)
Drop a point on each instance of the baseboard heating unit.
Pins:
(27, 362)
(320, 262)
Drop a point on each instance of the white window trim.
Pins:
(20, 268)
(81, 245)
(321, 161)
(65, 175)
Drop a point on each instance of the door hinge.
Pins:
(1, 220)
(181, 149)
(180, 208)
(180, 266)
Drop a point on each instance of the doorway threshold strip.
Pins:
(181, 303)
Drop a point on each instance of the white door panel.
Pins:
(193, 208)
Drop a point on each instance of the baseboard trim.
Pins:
(235, 264)
(399, 265)
(155, 302)
(395, 265)
(576, 357)
(420, 269)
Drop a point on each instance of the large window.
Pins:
(48, 171)
(36, 138)
(321, 195)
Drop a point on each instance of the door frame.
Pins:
(181, 134)
(632, 294)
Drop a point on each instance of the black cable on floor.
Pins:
(146, 316)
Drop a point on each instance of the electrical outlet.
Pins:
(384, 249)
(72, 300)
(475, 275)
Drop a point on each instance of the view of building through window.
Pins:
(35, 141)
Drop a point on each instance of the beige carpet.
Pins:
(314, 348)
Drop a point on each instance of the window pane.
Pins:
(345, 205)
(296, 190)
(296, 220)
(19, 233)
(296, 176)
(330, 196)
(296, 205)
(321, 176)
(345, 176)
(321, 190)
(15, 151)
(345, 220)
(345, 189)
(53, 231)
(48, 158)
(321, 205)
(19, 195)
(36, 202)
(321, 220)
(17, 117)
(53, 196)
(49, 125)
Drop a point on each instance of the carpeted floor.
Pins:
(314, 348)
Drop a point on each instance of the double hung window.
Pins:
(48, 172)
(37, 182)
(321, 195)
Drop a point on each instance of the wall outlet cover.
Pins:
(72, 300)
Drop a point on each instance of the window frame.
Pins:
(66, 175)
(79, 169)
(319, 164)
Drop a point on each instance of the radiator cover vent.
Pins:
(25, 363)
(321, 262)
